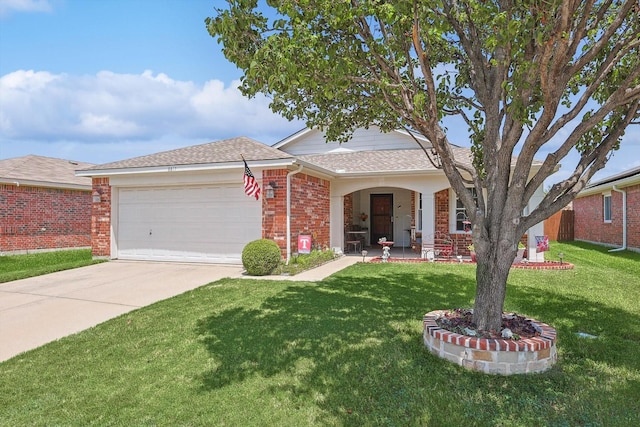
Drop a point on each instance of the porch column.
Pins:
(337, 223)
(428, 217)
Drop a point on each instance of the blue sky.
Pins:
(105, 80)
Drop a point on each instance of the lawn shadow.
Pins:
(357, 337)
(307, 319)
(352, 344)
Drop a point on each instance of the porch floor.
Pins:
(375, 251)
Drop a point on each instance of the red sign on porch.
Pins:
(304, 244)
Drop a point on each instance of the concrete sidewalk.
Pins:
(42, 309)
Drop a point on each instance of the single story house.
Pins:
(189, 204)
(43, 205)
(607, 211)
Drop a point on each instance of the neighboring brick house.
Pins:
(43, 205)
(608, 211)
(189, 205)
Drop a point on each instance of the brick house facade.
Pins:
(603, 216)
(309, 214)
(43, 206)
(188, 204)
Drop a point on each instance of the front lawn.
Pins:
(14, 267)
(344, 351)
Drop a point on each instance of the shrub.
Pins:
(304, 262)
(260, 257)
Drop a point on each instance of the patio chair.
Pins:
(440, 247)
(353, 239)
(349, 241)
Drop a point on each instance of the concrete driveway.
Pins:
(41, 309)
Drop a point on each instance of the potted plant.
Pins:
(520, 254)
(472, 251)
(363, 218)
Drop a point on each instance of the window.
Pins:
(606, 207)
(462, 219)
(419, 222)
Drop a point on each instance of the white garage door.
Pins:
(193, 224)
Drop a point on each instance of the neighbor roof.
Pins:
(225, 151)
(42, 171)
(618, 177)
(623, 179)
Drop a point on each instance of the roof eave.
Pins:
(291, 138)
(369, 174)
(47, 184)
(185, 168)
(625, 182)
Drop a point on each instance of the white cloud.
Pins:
(109, 107)
(9, 6)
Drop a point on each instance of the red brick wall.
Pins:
(348, 210)
(274, 211)
(310, 205)
(43, 218)
(633, 216)
(442, 211)
(413, 209)
(590, 226)
(101, 219)
(461, 241)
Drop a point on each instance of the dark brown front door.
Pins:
(381, 217)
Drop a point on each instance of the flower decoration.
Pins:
(363, 216)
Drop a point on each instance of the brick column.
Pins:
(101, 218)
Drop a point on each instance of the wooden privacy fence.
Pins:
(559, 226)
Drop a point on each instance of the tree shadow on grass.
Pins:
(318, 320)
(352, 346)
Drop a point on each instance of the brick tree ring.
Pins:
(490, 355)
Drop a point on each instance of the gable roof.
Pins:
(402, 158)
(40, 171)
(314, 141)
(206, 155)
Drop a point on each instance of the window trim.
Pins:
(453, 212)
(607, 196)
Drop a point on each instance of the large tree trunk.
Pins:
(493, 264)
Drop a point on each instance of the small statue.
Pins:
(385, 253)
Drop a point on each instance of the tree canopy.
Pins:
(523, 75)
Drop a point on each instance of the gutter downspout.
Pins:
(289, 175)
(624, 219)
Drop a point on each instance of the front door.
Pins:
(381, 217)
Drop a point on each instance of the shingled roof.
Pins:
(43, 171)
(225, 151)
(617, 177)
(380, 161)
(333, 163)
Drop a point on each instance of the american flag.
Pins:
(251, 187)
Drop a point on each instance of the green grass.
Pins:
(14, 267)
(344, 351)
(298, 264)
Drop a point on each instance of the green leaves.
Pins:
(500, 66)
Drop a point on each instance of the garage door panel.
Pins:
(206, 224)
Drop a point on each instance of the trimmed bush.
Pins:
(261, 257)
